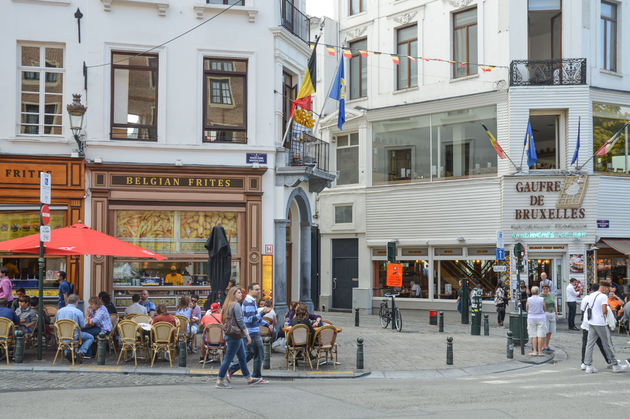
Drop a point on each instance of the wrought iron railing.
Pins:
(568, 71)
(295, 21)
(309, 151)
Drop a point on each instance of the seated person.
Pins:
(184, 309)
(19, 293)
(271, 314)
(415, 290)
(106, 300)
(28, 316)
(289, 316)
(196, 311)
(615, 304)
(163, 316)
(7, 313)
(136, 307)
(302, 317)
(213, 316)
(98, 318)
(70, 311)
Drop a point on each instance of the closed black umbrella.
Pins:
(219, 262)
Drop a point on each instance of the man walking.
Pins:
(587, 302)
(572, 297)
(596, 314)
(64, 289)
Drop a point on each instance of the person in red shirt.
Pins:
(163, 316)
(213, 316)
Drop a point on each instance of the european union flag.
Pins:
(530, 147)
(338, 92)
(577, 146)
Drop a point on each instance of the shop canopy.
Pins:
(620, 245)
(78, 239)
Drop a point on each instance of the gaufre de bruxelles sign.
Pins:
(567, 207)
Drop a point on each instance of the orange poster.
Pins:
(394, 275)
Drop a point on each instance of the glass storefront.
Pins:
(439, 146)
(416, 271)
(607, 120)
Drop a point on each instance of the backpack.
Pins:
(499, 296)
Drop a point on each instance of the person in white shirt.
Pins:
(572, 297)
(136, 307)
(597, 328)
(587, 302)
(415, 289)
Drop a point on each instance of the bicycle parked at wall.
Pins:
(393, 315)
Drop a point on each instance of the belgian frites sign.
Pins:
(178, 181)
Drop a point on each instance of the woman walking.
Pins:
(233, 315)
(499, 301)
(536, 320)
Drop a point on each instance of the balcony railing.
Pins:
(569, 71)
(311, 152)
(295, 21)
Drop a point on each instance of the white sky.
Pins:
(320, 8)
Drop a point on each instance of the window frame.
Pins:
(41, 92)
(156, 74)
(224, 74)
(347, 146)
(409, 62)
(350, 12)
(225, 2)
(467, 27)
(604, 20)
(289, 93)
(362, 62)
(343, 205)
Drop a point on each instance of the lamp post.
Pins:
(76, 110)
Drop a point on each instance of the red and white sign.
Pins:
(45, 214)
(269, 249)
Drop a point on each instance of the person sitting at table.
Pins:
(106, 300)
(19, 293)
(174, 278)
(196, 311)
(163, 316)
(615, 304)
(146, 303)
(27, 315)
(136, 307)
(302, 317)
(415, 290)
(184, 309)
(213, 316)
(289, 316)
(271, 314)
(70, 311)
(7, 313)
(98, 318)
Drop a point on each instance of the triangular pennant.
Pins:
(347, 53)
(363, 53)
(331, 51)
(395, 59)
(411, 58)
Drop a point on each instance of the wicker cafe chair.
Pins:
(64, 330)
(142, 318)
(7, 330)
(182, 328)
(51, 311)
(130, 339)
(324, 341)
(212, 342)
(31, 337)
(130, 316)
(298, 339)
(111, 341)
(163, 337)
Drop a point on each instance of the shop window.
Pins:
(343, 214)
(225, 100)
(607, 120)
(615, 267)
(16, 224)
(41, 73)
(448, 273)
(358, 70)
(544, 31)
(546, 130)
(465, 43)
(355, 6)
(348, 159)
(134, 96)
(608, 36)
(416, 271)
(407, 45)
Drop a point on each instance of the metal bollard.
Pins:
(19, 347)
(486, 326)
(267, 353)
(441, 322)
(182, 353)
(510, 345)
(359, 353)
(101, 349)
(449, 350)
(356, 317)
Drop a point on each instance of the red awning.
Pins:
(620, 245)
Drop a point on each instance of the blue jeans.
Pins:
(93, 332)
(253, 350)
(87, 342)
(234, 347)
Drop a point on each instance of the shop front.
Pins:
(19, 217)
(172, 210)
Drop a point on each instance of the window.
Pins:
(41, 89)
(355, 6)
(348, 159)
(407, 45)
(228, 2)
(358, 70)
(289, 93)
(608, 36)
(607, 120)
(134, 96)
(546, 129)
(343, 214)
(225, 101)
(465, 43)
(544, 30)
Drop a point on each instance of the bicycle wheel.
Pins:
(384, 316)
(398, 320)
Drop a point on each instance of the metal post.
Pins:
(486, 326)
(101, 348)
(449, 350)
(19, 346)
(40, 276)
(356, 317)
(510, 345)
(182, 353)
(441, 322)
(464, 301)
(393, 312)
(359, 353)
(267, 353)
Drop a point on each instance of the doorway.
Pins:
(345, 271)
(552, 267)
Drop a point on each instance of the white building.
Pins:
(415, 165)
(186, 109)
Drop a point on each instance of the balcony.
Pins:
(295, 21)
(305, 160)
(561, 72)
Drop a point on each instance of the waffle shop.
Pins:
(555, 220)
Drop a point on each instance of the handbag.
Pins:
(230, 327)
(610, 319)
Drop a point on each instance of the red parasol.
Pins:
(78, 239)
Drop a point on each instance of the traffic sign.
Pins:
(500, 254)
(45, 214)
(44, 187)
(44, 234)
(500, 242)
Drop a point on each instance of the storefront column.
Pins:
(431, 272)
(280, 268)
(99, 280)
(305, 265)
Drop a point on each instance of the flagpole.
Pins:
(614, 139)
(577, 145)
(327, 94)
(520, 169)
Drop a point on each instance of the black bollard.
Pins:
(449, 351)
(182, 353)
(441, 322)
(356, 317)
(359, 353)
(486, 326)
(101, 348)
(510, 345)
(19, 347)
(267, 353)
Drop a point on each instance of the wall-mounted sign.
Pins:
(269, 249)
(549, 235)
(603, 223)
(178, 181)
(394, 275)
(259, 158)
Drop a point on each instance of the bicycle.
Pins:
(393, 315)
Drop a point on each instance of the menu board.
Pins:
(14, 225)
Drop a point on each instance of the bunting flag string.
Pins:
(347, 53)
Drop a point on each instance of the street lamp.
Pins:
(76, 110)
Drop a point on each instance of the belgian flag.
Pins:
(307, 87)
